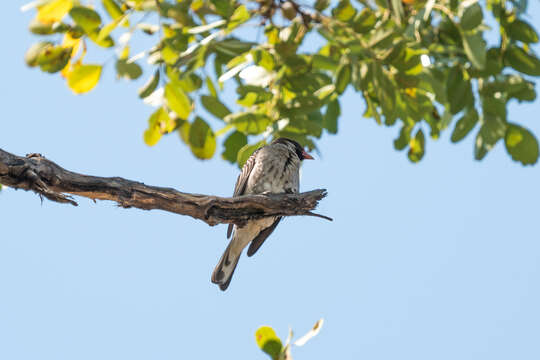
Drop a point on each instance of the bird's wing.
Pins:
(242, 180)
(259, 239)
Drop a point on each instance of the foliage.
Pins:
(271, 344)
(424, 66)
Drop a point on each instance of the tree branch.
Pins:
(36, 173)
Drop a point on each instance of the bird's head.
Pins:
(294, 146)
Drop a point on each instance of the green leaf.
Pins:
(268, 341)
(249, 123)
(112, 8)
(320, 5)
(464, 125)
(239, 16)
(344, 11)
(458, 90)
(150, 85)
(232, 145)
(518, 59)
(475, 48)
(33, 53)
(127, 70)
(417, 147)
(250, 95)
(521, 144)
(522, 31)
(214, 106)
(223, 7)
(331, 116)
(103, 41)
(202, 140)
(53, 58)
(343, 78)
(88, 19)
(492, 130)
(178, 101)
(472, 17)
(84, 78)
(189, 83)
(211, 87)
(403, 139)
(364, 21)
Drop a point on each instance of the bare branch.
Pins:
(35, 172)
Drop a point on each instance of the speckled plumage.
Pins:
(273, 168)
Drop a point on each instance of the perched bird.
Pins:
(272, 168)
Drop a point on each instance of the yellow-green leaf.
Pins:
(178, 101)
(112, 8)
(202, 140)
(245, 152)
(88, 19)
(239, 16)
(152, 136)
(416, 147)
(268, 341)
(54, 11)
(84, 78)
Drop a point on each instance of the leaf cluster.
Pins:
(424, 66)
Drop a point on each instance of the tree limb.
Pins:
(35, 172)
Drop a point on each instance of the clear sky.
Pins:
(439, 260)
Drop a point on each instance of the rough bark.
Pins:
(36, 173)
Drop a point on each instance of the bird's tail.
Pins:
(224, 270)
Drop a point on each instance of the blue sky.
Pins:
(439, 260)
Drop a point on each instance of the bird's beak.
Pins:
(305, 155)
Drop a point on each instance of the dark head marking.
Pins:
(297, 147)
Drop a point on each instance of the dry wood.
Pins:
(35, 172)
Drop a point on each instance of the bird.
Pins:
(274, 168)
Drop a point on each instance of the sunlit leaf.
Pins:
(344, 11)
(177, 101)
(84, 78)
(239, 16)
(113, 9)
(54, 11)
